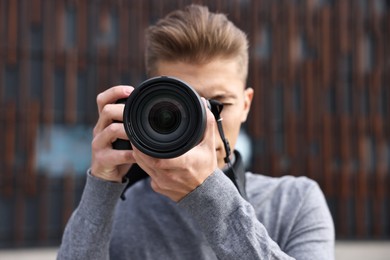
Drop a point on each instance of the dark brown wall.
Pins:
(320, 70)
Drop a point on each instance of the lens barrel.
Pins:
(164, 117)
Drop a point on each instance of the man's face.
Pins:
(220, 80)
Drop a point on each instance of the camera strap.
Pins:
(235, 172)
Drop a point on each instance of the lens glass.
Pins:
(164, 117)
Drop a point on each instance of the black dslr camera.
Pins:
(164, 117)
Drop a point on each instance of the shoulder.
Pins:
(261, 186)
(288, 206)
(286, 195)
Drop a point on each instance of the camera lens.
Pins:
(164, 117)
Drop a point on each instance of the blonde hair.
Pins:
(197, 36)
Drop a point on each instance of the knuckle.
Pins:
(106, 111)
(100, 99)
(94, 144)
(113, 129)
(95, 131)
(128, 155)
(159, 163)
(168, 175)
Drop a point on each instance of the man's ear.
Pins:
(248, 96)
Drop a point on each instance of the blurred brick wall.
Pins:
(320, 70)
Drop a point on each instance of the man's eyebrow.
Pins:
(224, 96)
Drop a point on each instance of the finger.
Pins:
(109, 114)
(209, 133)
(111, 164)
(108, 135)
(111, 95)
(114, 157)
(149, 164)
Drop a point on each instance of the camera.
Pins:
(163, 117)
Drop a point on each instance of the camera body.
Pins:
(163, 117)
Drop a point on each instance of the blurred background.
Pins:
(320, 70)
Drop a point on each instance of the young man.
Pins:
(188, 208)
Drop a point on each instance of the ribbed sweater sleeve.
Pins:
(87, 234)
(234, 232)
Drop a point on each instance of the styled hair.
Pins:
(197, 36)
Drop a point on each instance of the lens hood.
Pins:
(164, 117)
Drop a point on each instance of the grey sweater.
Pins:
(286, 218)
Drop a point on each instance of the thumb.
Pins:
(209, 134)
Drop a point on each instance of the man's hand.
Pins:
(177, 177)
(108, 163)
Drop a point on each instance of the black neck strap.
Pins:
(236, 174)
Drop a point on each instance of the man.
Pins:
(188, 208)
